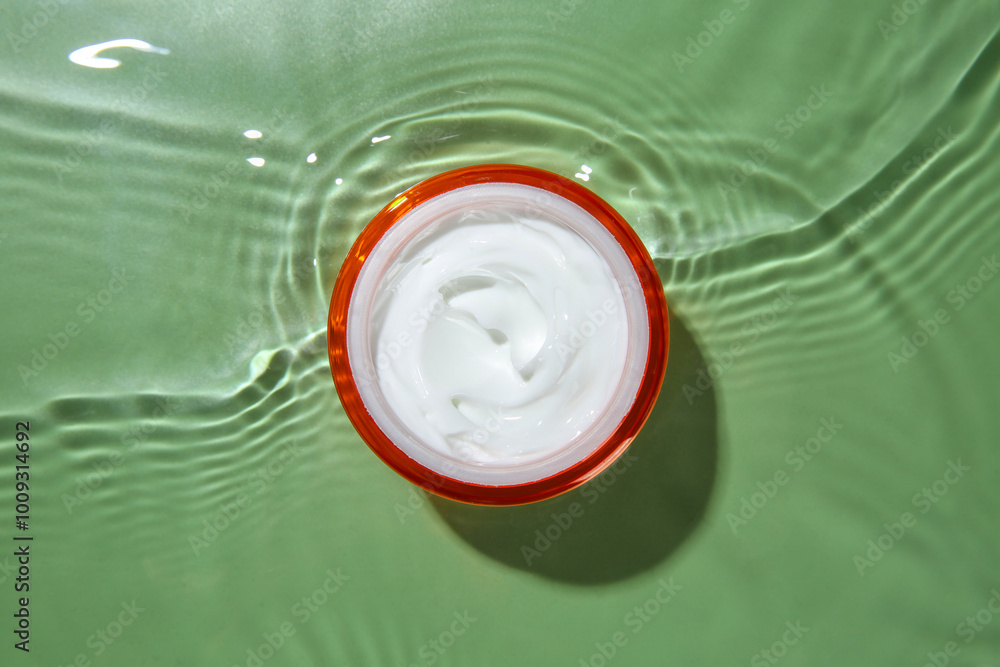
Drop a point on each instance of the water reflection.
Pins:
(87, 56)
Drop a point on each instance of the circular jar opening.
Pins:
(498, 334)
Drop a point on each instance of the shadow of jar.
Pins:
(632, 516)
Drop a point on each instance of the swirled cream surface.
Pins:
(496, 336)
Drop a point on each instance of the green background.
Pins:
(842, 155)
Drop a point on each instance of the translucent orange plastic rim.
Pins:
(602, 456)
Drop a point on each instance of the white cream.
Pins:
(501, 333)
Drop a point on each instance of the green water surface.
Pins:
(817, 182)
